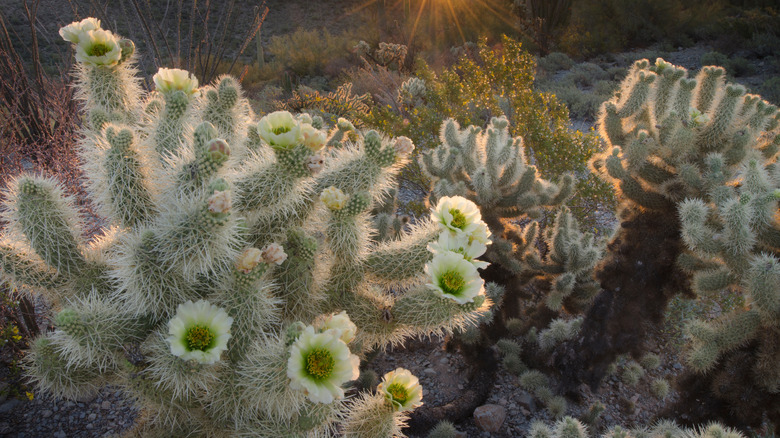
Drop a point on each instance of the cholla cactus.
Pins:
(387, 53)
(569, 427)
(670, 137)
(569, 263)
(734, 234)
(490, 169)
(412, 92)
(225, 295)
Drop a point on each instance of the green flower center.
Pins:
(281, 130)
(98, 49)
(398, 392)
(458, 218)
(320, 363)
(199, 338)
(452, 282)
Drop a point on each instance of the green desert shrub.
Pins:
(495, 82)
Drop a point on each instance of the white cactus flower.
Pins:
(98, 48)
(319, 364)
(313, 138)
(172, 79)
(249, 259)
(74, 31)
(199, 331)
(280, 130)
(339, 323)
(467, 246)
(457, 214)
(274, 253)
(481, 234)
(220, 202)
(333, 198)
(403, 145)
(402, 389)
(453, 277)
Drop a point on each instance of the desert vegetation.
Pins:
(421, 218)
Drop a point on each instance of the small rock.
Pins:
(92, 417)
(90, 426)
(8, 406)
(526, 401)
(490, 417)
(430, 371)
(46, 414)
(677, 366)
(443, 360)
(105, 405)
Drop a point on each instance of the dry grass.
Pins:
(39, 119)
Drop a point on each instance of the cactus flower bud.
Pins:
(127, 47)
(220, 202)
(403, 146)
(314, 163)
(248, 259)
(697, 117)
(218, 149)
(274, 253)
(333, 198)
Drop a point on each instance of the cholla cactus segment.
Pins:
(453, 277)
(174, 79)
(98, 48)
(401, 389)
(320, 363)
(73, 32)
(280, 130)
(200, 331)
(40, 211)
(372, 416)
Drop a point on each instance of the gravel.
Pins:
(109, 413)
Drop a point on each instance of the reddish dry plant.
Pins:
(38, 117)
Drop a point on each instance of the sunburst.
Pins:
(440, 15)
